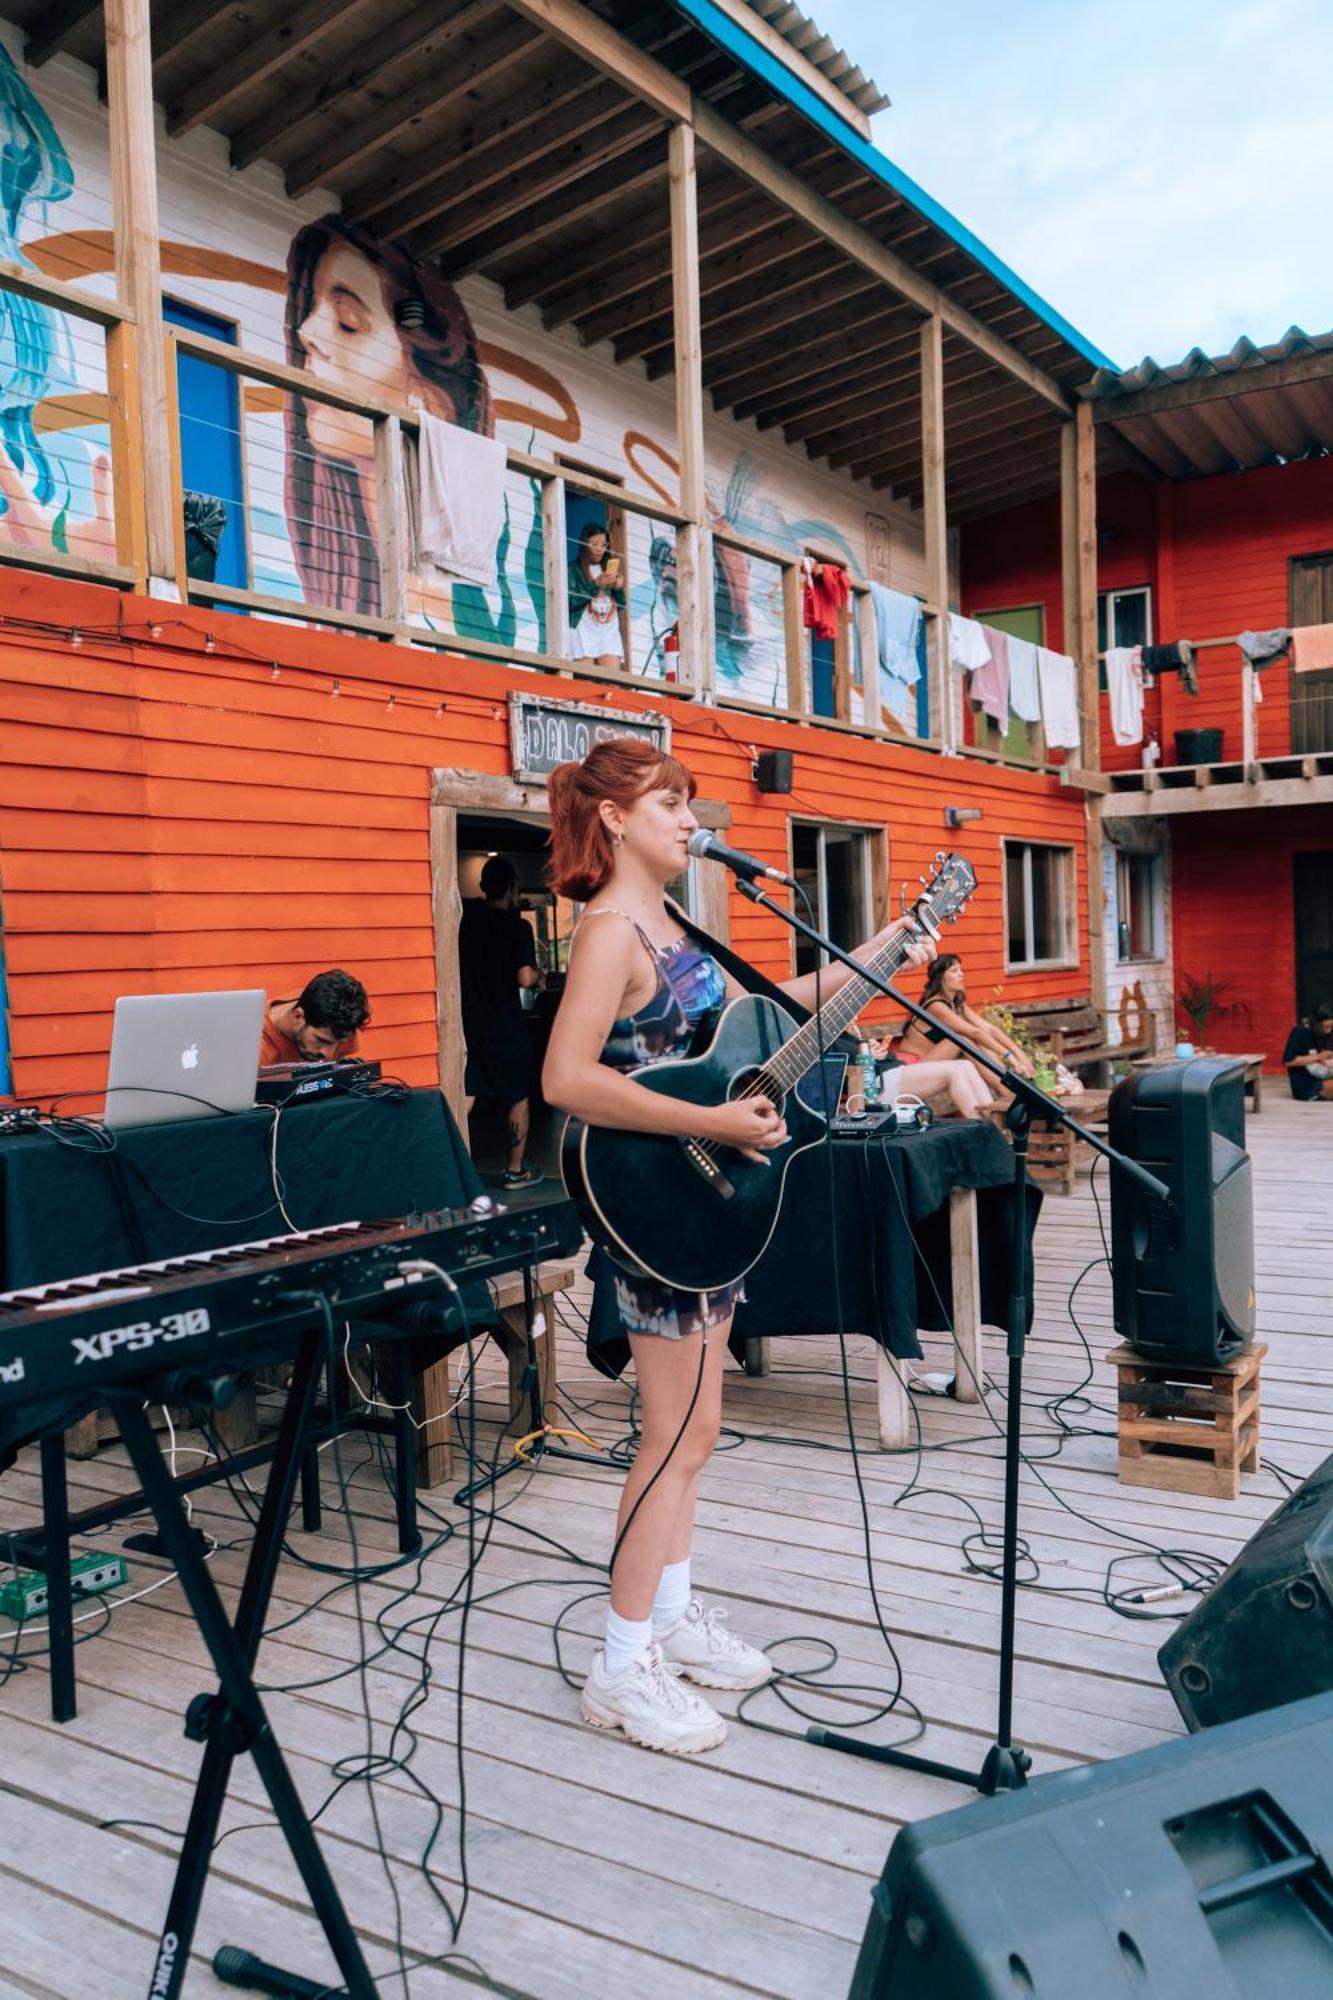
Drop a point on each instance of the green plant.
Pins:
(1018, 1031)
(1200, 999)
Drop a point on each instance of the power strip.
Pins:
(26, 1595)
(26, 1118)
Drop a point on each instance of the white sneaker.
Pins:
(701, 1648)
(648, 1702)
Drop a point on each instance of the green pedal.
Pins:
(25, 1595)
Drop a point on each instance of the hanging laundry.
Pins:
(1058, 681)
(1312, 648)
(1177, 658)
(990, 684)
(827, 589)
(898, 634)
(1262, 648)
(1124, 679)
(1024, 692)
(460, 506)
(967, 644)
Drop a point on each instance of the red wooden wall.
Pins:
(174, 815)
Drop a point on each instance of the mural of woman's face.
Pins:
(349, 340)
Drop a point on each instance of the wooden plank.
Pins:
(56, 27)
(1290, 373)
(793, 637)
(446, 913)
(752, 21)
(965, 1270)
(259, 58)
(391, 521)
(555, 566)
(935, 530)
(139, 272)
(34, 284)
(693, 567)
(612, 53)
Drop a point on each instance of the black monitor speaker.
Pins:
(1183, 1273)
(1200, 1867)
(1263, 1635)
(773, 771)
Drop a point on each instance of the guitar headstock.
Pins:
(947, 890)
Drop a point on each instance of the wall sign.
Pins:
(544, 733)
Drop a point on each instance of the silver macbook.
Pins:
(182, 1055)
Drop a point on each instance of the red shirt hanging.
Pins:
(827, 589)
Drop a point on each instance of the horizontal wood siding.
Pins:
(177, 819)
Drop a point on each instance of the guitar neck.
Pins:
(801, 1052)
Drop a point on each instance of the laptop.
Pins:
(820, 1089)
(182, 1055)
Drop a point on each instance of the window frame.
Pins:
(873, 844)
(1068, 918)
(1107, 600)
(1156, 861)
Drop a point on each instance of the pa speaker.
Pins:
(1263, 1634)
(1198, 1867)
(773, 770)
(1183, 1272)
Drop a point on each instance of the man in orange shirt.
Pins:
(320, 1025)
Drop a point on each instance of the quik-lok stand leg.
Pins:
(233, 1720)
(537, 1438)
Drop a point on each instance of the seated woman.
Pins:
(961, 1082)
(945, 997)
(1309, 1056)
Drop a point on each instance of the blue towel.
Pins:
(898, 631)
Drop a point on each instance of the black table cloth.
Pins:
(890, 1237)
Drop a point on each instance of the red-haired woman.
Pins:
(638, 988)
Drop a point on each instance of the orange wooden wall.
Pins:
(176, 816)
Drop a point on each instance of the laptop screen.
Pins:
(820, 1089)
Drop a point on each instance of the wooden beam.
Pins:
(714, 131)
(391, 519)
(1085, 647)
(122, 388)
(750, 386)
(138, 269)
(693, 547)
(935, 528)
(1114, 407)
(56, 27)
(463, 70)
(180, 24)
(642, 165)
(754, 327)
(734, 253)
(423, 32)
(555, 567)
(814, 79)
(731, 305)
(968, 414)
(31, 284)
(256, 61)
(614, 54)
(970, 461)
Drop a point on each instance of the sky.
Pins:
(1160, 171)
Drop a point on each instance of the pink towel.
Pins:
(990, 684)
(1312, 648)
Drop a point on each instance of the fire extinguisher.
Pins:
(671, 654)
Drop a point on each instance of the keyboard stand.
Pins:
(233, 1720)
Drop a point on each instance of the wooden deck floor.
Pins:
(597, 1868)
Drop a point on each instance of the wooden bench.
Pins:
(1053, 1150)
(897, 1419)
(1078, 1034)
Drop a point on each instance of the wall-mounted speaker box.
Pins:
(1264, 1633)
(773, 770)
(1198, 1870)
(1183, 1275)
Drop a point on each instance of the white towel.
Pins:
(1057, 682)
(460, 515)
(1024, 695)
(1124, 679)
(968, 648)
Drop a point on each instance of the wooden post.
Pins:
(555, 567)
(122, 385)
(793, 637)
(965, 1271)
(1078, 561)
(447, 910)
(391, 521)
(935, 523)
(139, 274)
(1248, 748)
(693, 541)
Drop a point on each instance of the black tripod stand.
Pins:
(1006, 1764)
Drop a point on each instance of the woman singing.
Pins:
(638, 987)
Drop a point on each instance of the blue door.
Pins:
(210, 411)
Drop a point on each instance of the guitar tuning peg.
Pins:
(940, 857)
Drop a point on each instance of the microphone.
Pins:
(706, 846)
(235, 1966)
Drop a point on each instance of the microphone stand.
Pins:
(1006, 1763)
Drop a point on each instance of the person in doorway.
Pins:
(596, 592)
(639, 987)
(497, 961)
(1309, 1056)
(944, 995)
(322, 1024)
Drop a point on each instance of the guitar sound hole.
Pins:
(748, 1082)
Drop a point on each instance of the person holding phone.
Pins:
(596, 594)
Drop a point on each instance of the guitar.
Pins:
(694, 1213)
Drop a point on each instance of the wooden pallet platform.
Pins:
(1188, 1430)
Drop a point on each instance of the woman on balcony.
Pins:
(596, 593)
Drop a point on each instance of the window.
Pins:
(212, 467)
(1039, 904)
(1140, 921)
(833, 866)
(1124, 618)
(1024, 621)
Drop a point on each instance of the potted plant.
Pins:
(1200, 999)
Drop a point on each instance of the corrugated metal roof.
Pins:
(807, 37)
(1224, 412)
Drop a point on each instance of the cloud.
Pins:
(1159, 174)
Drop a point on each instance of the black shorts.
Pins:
(500, 1068)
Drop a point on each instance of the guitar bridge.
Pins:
(707, 1167)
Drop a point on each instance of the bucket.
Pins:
(1198, 746)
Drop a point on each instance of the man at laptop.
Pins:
(320, 1025)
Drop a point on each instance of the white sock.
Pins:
(626, 1638)
(673, 1597)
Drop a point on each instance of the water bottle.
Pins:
(867, 1082)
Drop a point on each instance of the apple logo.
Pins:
(190, 1056)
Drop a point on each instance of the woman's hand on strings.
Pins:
(753, 1125)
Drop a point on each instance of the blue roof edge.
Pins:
(740, 43)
